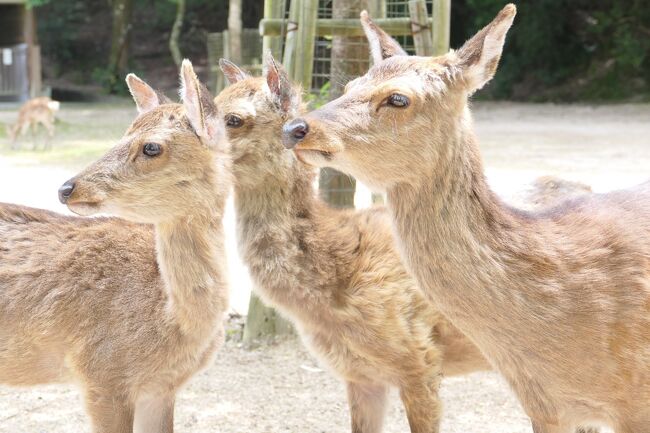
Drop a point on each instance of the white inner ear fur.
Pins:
(191, 99)
(144, 96)
(481, 72)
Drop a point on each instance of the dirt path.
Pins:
(280, 388)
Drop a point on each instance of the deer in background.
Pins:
(558, 300)
(128, 310)
(335, 273)
(36, 111)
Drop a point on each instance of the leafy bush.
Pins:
(570, 49)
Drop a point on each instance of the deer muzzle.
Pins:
(293, 132)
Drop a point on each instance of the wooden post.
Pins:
(33, 53)
(377, 9)
(273, 9)
(305, 43)
(422, 35)
(441, 23)
(289, 60)
(263, 322)
(235, 30)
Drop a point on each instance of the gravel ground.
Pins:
(279, 387)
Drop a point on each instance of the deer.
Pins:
(129, 309)
(335, 274)
(36, 111)
(558, 300)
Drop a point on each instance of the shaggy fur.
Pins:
(557, 300)
(127, 311)
(335, 273)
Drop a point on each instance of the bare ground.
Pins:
(279, 387)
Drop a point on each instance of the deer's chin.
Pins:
(85, 208)
(317, 158)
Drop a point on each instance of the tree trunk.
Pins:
(176, 33)
(121, 35)
(235, 30)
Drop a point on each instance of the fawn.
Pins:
(128, 311)
(557, 300)
(36, 111)
(335, 273)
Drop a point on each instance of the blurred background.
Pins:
(571, 99)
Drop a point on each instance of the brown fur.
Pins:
(335, 273)
(128, 311)
(558, 300)
(37, 111)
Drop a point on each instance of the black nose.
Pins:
(66, 191)
(293, 132)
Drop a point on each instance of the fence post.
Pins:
(441, 18)
(377, 9)
(273, 9)
(289, 60)
(305, 43)
(422, 35)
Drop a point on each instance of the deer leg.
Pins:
(109, 413)
(367, 406)
(423, 407)
(154, 415)
(50, 135)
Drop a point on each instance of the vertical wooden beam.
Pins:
(305, 43)
(422, 35)
(273, 9)
(441, 24)
(289, 60)
(33, 53)
(377, 9)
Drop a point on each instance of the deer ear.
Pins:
(279, 84)
(232, 72)
(382, 46)
(479, 56)
(144, 96)
(199, 107)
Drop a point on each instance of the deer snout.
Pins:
(65, 191)
(293, 132)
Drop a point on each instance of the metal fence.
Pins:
(14, 76)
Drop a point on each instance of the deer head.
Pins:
(168, 162)
(254, 109)
(395, 123)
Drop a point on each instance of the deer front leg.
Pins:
(423, 407)
(154, 415)
(367, 406)
(109, 413)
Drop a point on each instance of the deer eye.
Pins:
(152, 149)
(398, 100)
(234, 121)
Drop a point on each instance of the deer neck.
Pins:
(460, 241)
(191, 258)
(276, 201)
(277, 221)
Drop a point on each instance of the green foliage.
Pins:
(321, 98)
